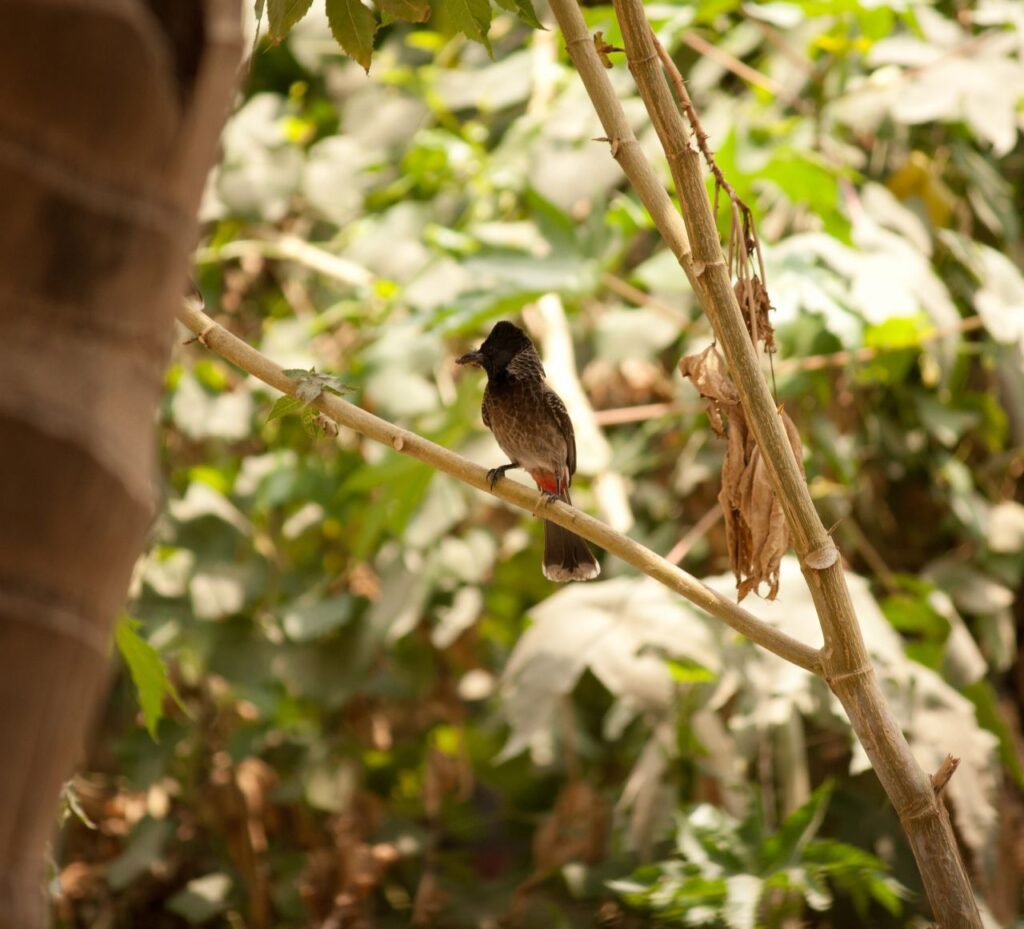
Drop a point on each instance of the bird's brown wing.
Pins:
(483, 411)
(561, 415)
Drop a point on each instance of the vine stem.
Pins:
(239, 353)
(846, 665)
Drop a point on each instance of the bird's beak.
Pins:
(471, 358)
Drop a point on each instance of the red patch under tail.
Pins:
(547, 482)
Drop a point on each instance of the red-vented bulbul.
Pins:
(532, 426)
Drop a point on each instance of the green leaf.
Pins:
(470, 17)
(147, 671)
(689, 672)
(523, 9)
(310, 384)
(915, 615)
(808, 181)
(412, 11)
(283, 406)
(283, 14)
(353, 26)
(798, 829)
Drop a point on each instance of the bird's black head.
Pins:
(505, 342)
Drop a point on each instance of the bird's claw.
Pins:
(495, 473)
(546, 496)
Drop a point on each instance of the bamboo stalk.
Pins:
(847, 665)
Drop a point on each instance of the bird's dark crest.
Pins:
(506, 352)
(507, 338)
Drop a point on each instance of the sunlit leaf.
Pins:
(353, 26)
(283, 14)
(412, 11)
(147, 671)
(283, 406)
(524, 10)
(470, 17)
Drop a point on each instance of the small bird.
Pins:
(532, 426)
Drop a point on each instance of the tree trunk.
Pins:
(109, 122)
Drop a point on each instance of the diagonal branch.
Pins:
(233, 349)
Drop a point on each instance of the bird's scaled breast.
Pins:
(524, 427)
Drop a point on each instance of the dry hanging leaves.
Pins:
(755, 525)
(752, 297)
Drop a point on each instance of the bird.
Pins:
(532, 426)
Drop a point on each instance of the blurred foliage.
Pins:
(391, 715)
(738, 875)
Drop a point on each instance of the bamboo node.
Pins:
(201, 337)
(636, 62)
(921, 810)
(862, 671)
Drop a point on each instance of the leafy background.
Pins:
(375, 710)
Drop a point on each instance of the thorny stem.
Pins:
(239, 353)
(743, 237)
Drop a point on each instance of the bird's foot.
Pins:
(546, 498)
(495, 473)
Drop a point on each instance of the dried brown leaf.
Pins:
(708, 374)
(754, 303)
(755, 525)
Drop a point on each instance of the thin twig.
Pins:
(616, 416)
(291, 248)
(731, 63)
(870, 352)
(697, 531)
(239, 353)
(635, 295)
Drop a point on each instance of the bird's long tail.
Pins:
(567, 557)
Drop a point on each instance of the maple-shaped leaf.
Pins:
(310, 384)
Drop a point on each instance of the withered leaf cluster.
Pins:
(752, 296)
(755, 525)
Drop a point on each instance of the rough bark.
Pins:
(109, 122)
